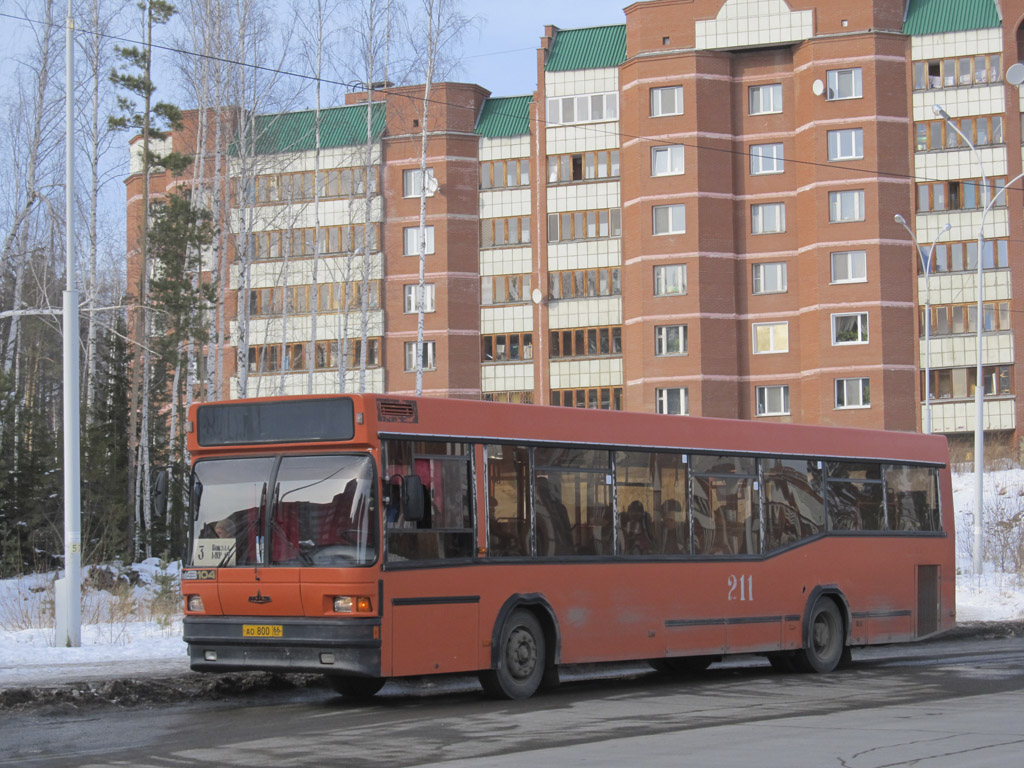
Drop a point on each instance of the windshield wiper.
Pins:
(227, 556)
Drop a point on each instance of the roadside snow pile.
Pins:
(127, 613)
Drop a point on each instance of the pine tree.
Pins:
(180, 301)
(106, 511)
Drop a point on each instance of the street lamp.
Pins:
(979, 387)
(927, 264)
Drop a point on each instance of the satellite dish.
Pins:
(431, 185)
(537, 296)
(817, 87)
(1015, 74)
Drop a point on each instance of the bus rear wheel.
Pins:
(521, 660)
(356, 687)
(825, 642)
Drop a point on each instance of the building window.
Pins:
(846, 144)
(411, 292)
(957, 72)
(843, 84)
(500, 233)
(765, 99)
(853, 393)
(951, 319)
(772, 401)
(849, 267)
(962, 256)
(505, 347)
(327, 355)
(603, 398)
(670, 340)
(670, 280)
(769, 277)
(591, 108)
(504, 289)
(505, 173)
(667, 161)
(850, 329)
(770, 338)
(767, 218)
(958, 383)
(412, 182)
(584, 225)
(765, 158)
(673, 400)
(429, 361)
(299, 241)
(585, 283)
(586, 342)
(411, 236)
(296, 187)
(667, 101)
(847, 205)
(959, 195)
(983, 131)
(583, 166)
(509, 397)
(669, 219)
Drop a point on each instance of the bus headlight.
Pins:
(195, 604)
(350, 604)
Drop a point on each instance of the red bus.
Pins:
(369, 537)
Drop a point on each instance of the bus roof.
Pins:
(483, 422)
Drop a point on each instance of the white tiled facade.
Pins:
(958, 353)
(747, 23)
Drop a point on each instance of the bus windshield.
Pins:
(290, 511)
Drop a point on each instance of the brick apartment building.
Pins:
(693, 213)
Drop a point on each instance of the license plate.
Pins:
(262, 630)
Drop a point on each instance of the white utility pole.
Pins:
(69, 589)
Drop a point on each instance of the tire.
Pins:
(522, 657)
(356, 687)
(824, 645)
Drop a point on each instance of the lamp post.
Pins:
(926, 262)
(979, 387)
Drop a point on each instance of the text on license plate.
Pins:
(262, 630)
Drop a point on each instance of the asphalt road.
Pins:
(948, 703)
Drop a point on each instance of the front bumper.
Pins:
(343, 647)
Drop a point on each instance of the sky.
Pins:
(502, 55)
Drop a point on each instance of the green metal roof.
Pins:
(508, 116)
(590, 48)
(932, 17)
(296, 131)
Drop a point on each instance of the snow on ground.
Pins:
(155, 642)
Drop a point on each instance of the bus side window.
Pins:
(651, 492)
(854, 496)
(912, 499)
(572, 496)
(508, 509)
(794, 505)
(726, 507)
(446, 527)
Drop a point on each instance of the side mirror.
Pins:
(159, 493)
(412, 498)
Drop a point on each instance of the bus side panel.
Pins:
(434, 621)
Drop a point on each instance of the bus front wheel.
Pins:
(521, 661)
(356, 687)
(824, 645)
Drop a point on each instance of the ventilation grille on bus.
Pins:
(397, 410)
